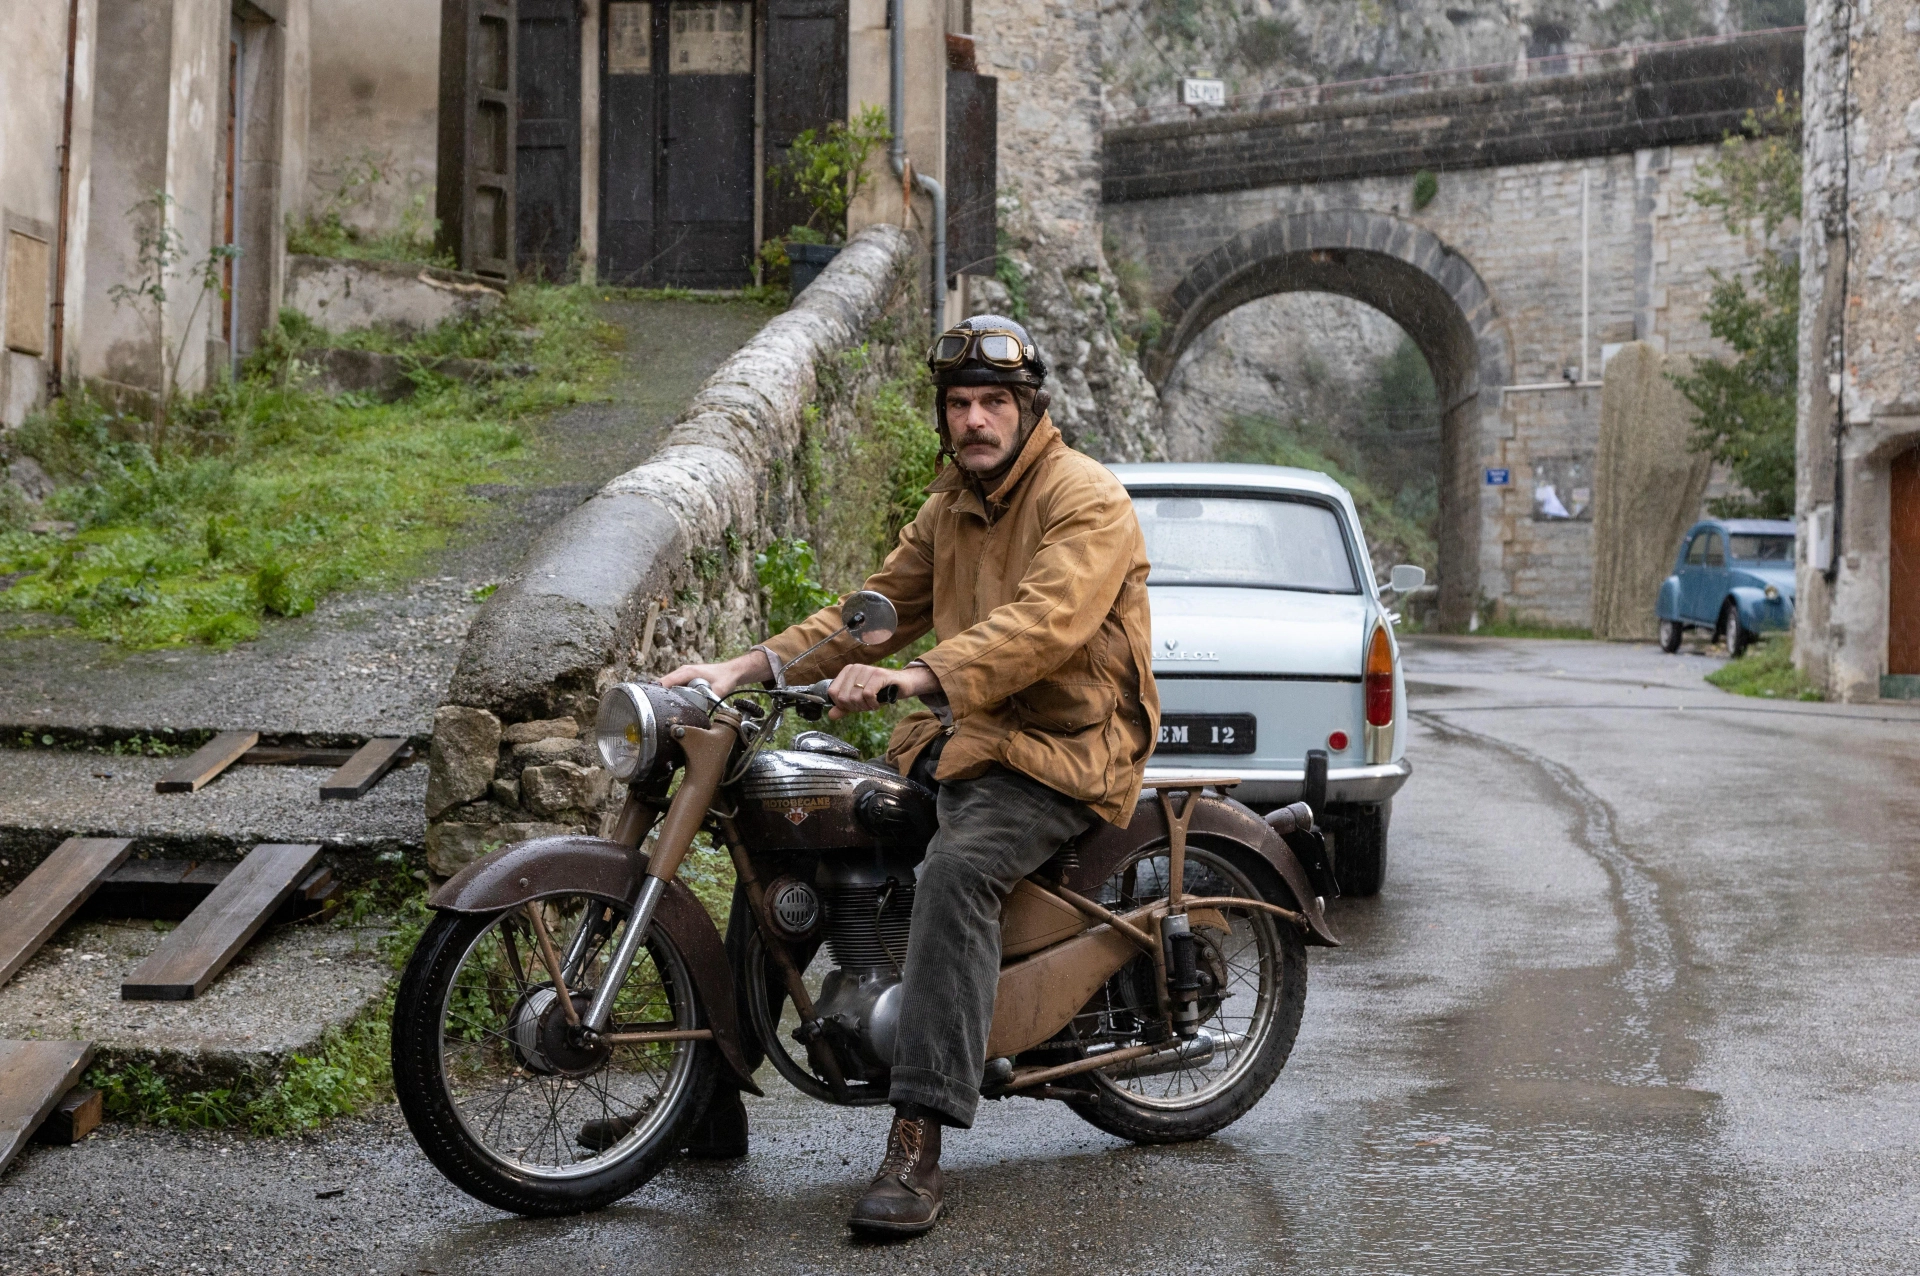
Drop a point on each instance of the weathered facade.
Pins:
(1857, 621)
(140, 137)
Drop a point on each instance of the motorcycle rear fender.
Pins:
(1216, 819)
(549, 866)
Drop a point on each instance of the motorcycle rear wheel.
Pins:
(1253, 1026)
(499, 1099)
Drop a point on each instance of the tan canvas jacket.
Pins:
(1039, 602)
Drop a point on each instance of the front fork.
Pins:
(708, 751)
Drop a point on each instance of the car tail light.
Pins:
(1337, 742)
(1379, 679)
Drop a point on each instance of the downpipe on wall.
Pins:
(897, 154)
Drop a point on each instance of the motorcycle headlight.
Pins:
(627, 732)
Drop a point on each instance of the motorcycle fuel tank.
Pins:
(792, 800)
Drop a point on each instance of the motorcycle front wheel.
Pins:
(1257, 973)
(503, 1096)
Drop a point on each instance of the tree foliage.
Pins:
(1744, 407)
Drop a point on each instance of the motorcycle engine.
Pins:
(868, 900)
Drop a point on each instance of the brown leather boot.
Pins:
(904, 1199)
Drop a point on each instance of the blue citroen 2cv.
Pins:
(1733, 576)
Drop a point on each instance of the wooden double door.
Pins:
(1903, 565)
(676, 143)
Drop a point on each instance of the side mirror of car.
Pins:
(1405, 578)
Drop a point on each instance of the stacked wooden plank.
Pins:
(195, 952)
(355, 771)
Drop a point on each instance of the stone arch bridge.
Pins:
(1561, 228)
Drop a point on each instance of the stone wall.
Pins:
(1859, 316)
(657, 569)
(1046, 57)
(1651, 253)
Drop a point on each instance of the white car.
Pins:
(1275, 656)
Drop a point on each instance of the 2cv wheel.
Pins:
(506, 1096)
(1256, 971)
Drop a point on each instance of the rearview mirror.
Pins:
(870, 617)
(1405, 578)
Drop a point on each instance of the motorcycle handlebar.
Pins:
(819, 690)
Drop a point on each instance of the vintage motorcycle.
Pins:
(569, 1011)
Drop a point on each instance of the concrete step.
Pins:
(52, 794)
(276, 999)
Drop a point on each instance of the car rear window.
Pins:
(1245, 542)
(1749, 547)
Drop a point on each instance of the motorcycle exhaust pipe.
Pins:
(1188, 1054)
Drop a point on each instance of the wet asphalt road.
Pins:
(1640, 996)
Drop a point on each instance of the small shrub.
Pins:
(1426, 188)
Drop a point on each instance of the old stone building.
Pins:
(140, 136)
(1857, 625)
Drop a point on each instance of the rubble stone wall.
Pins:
(657, 569)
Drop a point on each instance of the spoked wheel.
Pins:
(1256, 977)
(502, 1092)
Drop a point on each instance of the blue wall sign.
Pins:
(1499, 478)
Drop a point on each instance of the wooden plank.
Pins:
(169, 890)
(195, 952)
(164, 889)
(290, 755)
(52, 893)
(33, 1077)
(213, 757)
(73, 1118)
(364, 769)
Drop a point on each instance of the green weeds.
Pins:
(268, 495)
(1766, 671)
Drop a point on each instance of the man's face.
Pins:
(984, 423)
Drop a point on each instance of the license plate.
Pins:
(1206, 733)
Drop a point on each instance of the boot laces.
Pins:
(904, 1143)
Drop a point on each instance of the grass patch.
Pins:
(351, 1070)
(265, 496)
(1766, 671)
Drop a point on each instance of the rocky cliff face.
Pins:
(1053, 273)
(1261, 44)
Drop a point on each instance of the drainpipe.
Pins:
(897, 154)
(56, 382)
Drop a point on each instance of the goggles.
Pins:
(995, 347)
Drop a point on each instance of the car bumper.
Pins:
(1262, 786)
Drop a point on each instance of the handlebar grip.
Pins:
(889, 693)
(818, 688)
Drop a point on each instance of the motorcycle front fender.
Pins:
(1217, 820)
(573, 865)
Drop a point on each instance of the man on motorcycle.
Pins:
(1028, 566)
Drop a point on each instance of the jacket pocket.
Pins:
(1065, 707)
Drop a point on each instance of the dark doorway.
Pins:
(806, 70)
(1903, 566)
(547, 157)
(677, 143)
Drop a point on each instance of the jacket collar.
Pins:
(1044, 439)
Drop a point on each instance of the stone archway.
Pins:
(1411, 276)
